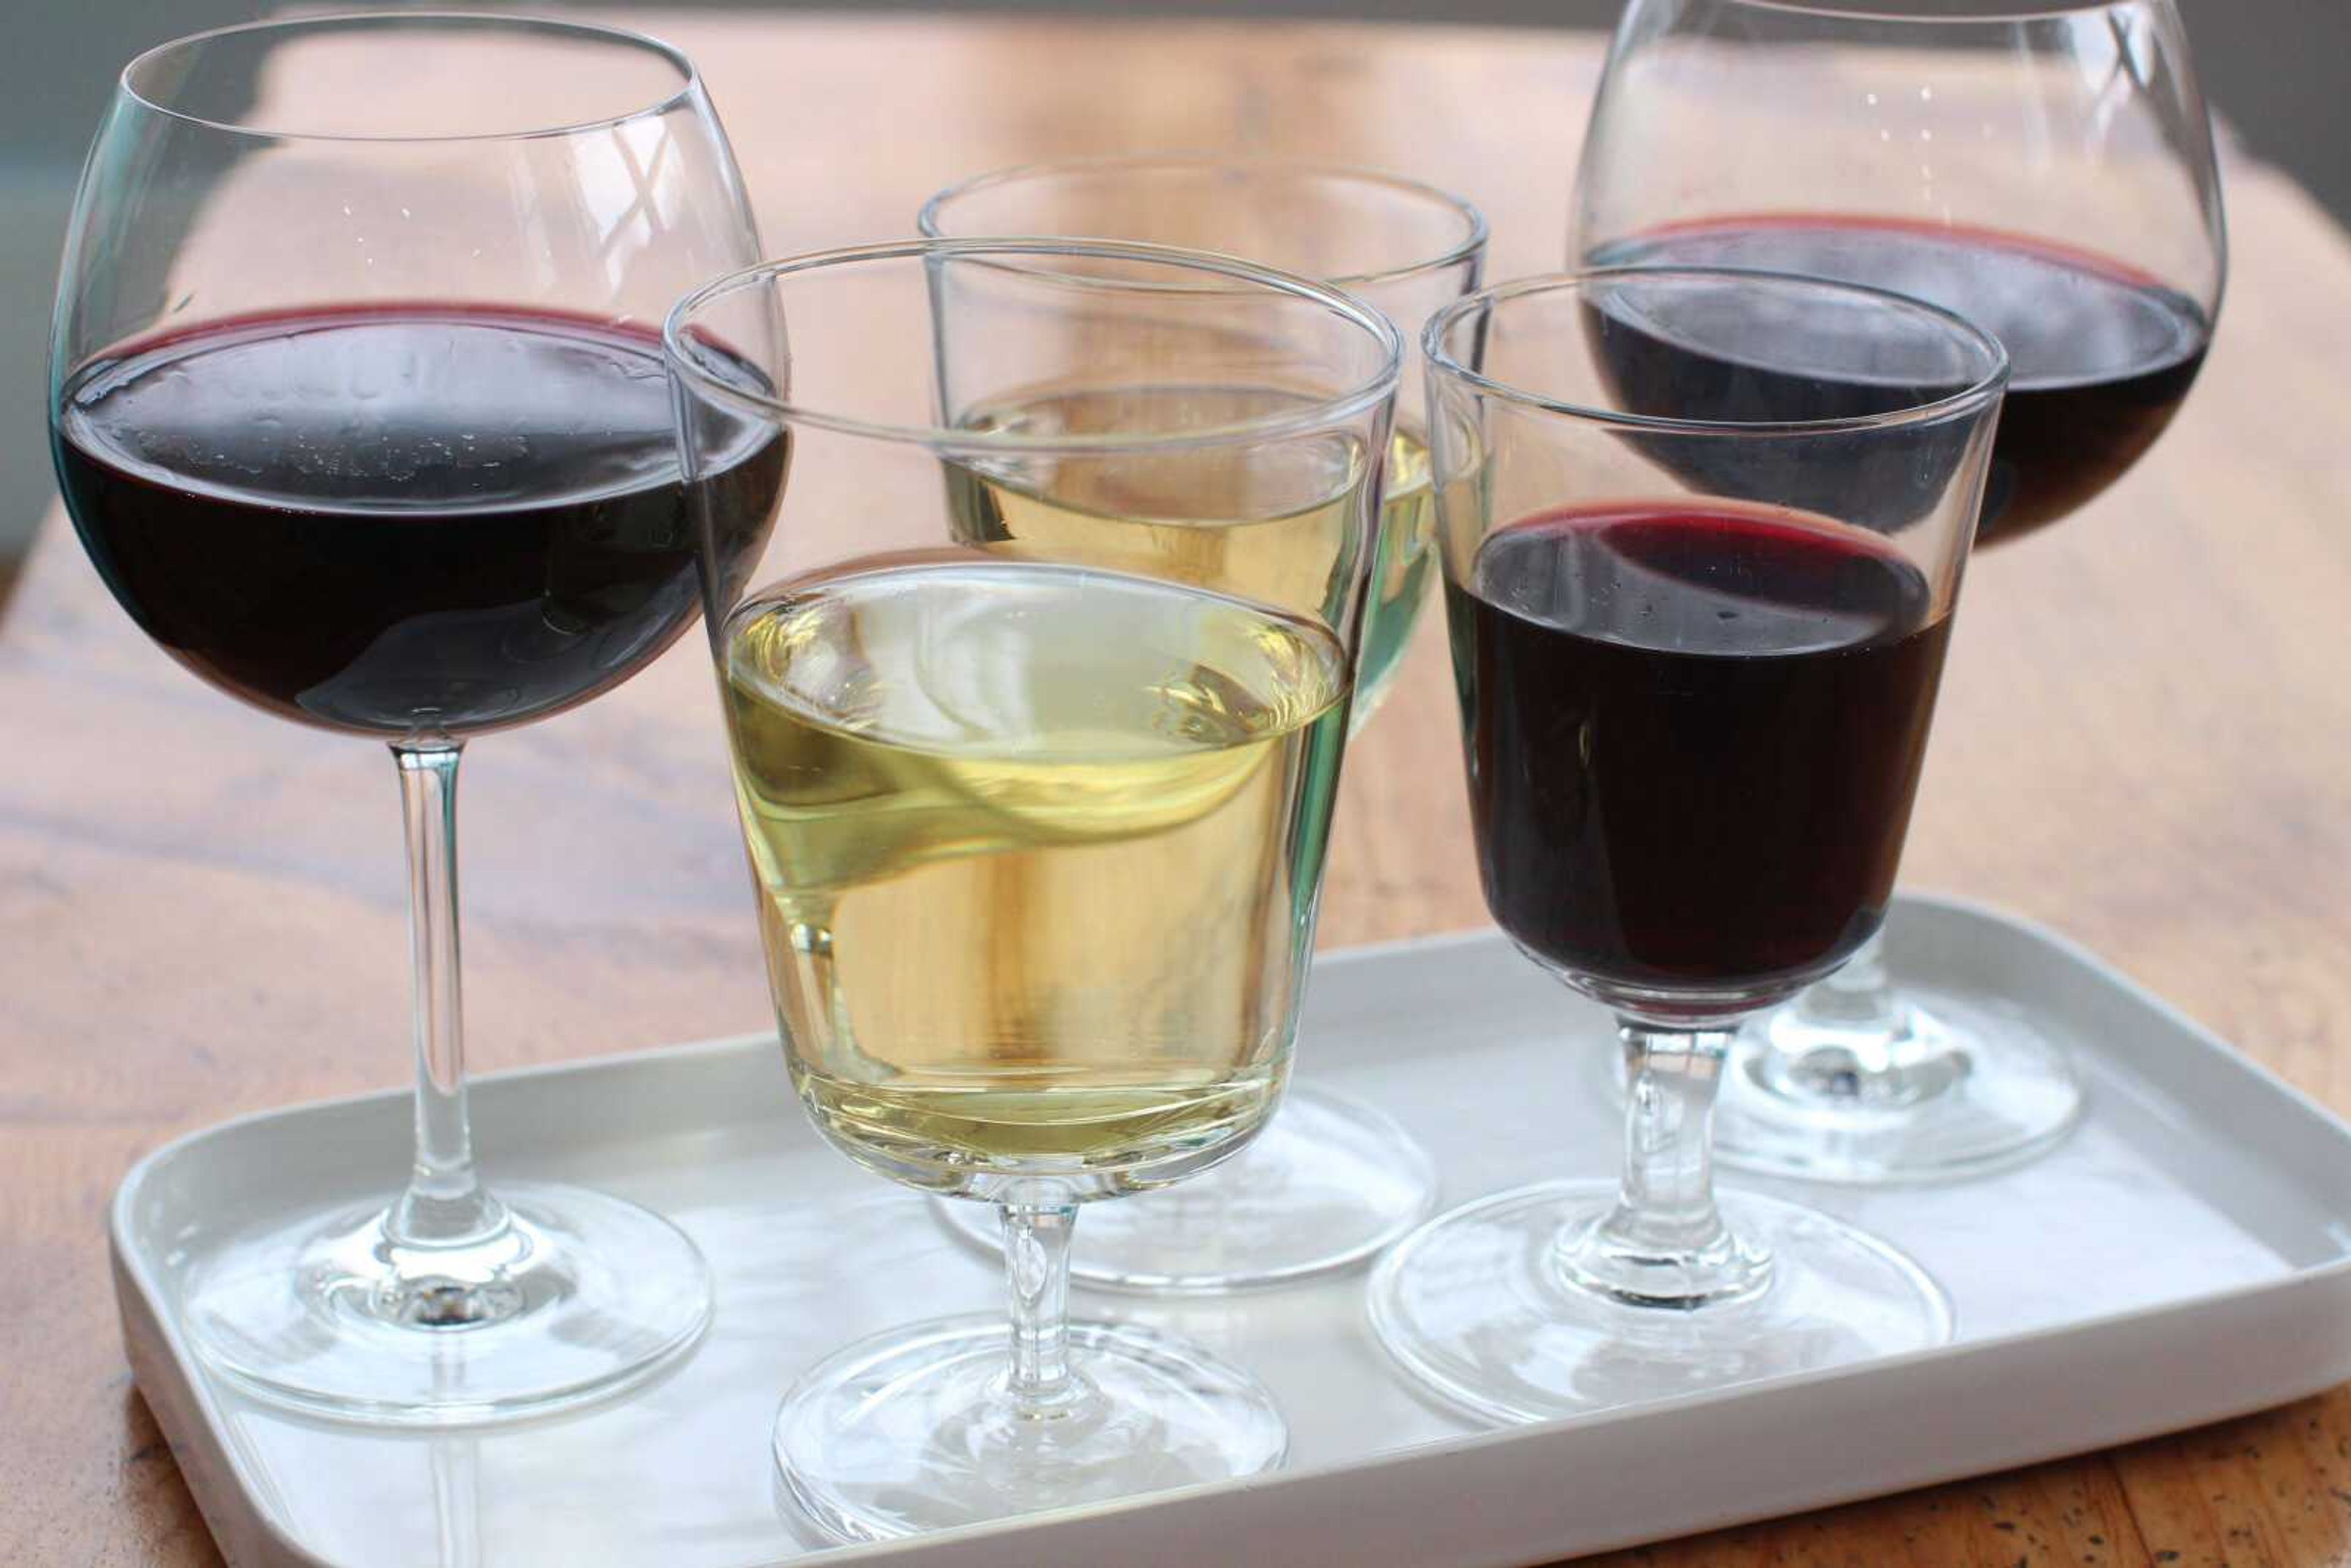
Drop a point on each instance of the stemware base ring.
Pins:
(1527, 1344)
(581, 1296)
(910, 1430)
(1330, 1183)
(1992, 1094)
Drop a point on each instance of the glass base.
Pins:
(579, 1295)
(911, 1431)
(1329, 1184)
(1477, 1305)
(1977, 1092)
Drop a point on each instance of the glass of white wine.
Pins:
(1037, 830)
(1334, 1180)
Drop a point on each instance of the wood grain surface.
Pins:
(2144, 741)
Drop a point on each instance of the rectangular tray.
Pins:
(2184, 1255)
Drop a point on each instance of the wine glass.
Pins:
(358, 405)
(1693, 717)
(1333, 1180)
(1036, 828)
(2046, 171)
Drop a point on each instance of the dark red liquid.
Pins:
(1693, 734)
(397, 520)
(2102, 353)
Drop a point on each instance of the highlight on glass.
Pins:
(1698, 583)
(1036, 809)
(2045, 171)
(358, 405)
(1333, 1180)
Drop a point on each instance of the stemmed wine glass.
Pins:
(1333, 1180)
(1037, 828)
(2046, 171)
(358, 404)
(1702, 534)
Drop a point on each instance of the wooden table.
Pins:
(2145, 740)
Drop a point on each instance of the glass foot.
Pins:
(1330, 1183)
(579, 1295)
(1478, 1306)
(911, 1431)
(1979, 1093)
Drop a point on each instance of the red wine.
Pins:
(1693, 733)
(399, 520)
(2102, 353)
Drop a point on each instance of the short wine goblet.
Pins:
(1036, 831)
(1693, 716)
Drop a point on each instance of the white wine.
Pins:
(1039, 846)
(1276, 527)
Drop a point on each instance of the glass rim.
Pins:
(1995, 15)
(1475, 234)
(689, 77)
(1986, 388)
(686, 362)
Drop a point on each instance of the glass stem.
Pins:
(1664, 1242)
(444, 1204)
(1859, 1002)
(1039, 1380)
(1853, 1039)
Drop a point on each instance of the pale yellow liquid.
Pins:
(1273, 523)
(1038, 848)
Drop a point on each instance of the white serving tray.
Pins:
(2185, 1255)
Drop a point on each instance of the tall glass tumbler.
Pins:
(358, 404)
(1698, 625)
(1037, 832)
(1333, 1180)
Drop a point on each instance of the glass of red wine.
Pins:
(1693, 713)
(2046, 171)
(358, 404)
